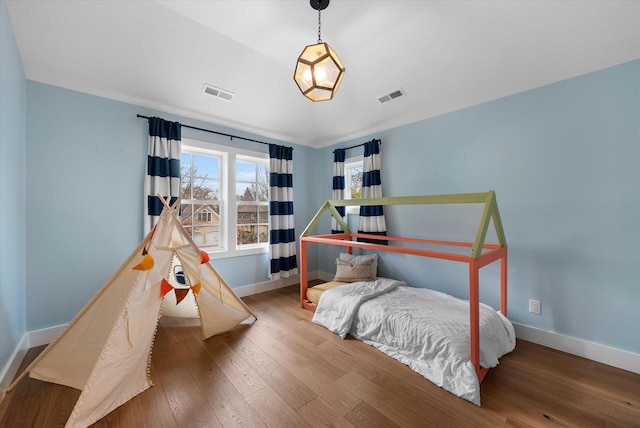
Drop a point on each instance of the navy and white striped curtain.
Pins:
(372, 219)
(163, 167)
(338, 185)
(282, 239)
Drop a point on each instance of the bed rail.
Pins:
(481, 253)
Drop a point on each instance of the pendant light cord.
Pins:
(319, 38)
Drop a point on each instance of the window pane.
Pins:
(263, 183)
(185, 162)
(206, 223)
(245, 171)
(205, 238)
(205, 189)
(247, 214)
(200, 177)
(252, 181)
(185, 176)
(263, 214)
(356, 182)
(245, 192)
(245, 181)
(206, 167)
(264, 234)
(247, 235)
(202, 222)
(186, 213)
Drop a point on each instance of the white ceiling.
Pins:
(446, 55)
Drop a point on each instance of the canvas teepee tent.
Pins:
(105, 350)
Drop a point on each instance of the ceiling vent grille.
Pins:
(391, 96)
(219, 93)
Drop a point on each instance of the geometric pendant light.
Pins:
(319, 70)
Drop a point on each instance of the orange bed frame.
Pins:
(481, 253)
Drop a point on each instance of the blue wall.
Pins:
(564, 160)
(86, 159)
(13, 111)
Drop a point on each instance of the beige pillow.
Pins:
(346, 272)
(361, 258)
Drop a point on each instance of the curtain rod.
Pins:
(213, 132)
(358, 145)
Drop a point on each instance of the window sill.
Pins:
(224, 254)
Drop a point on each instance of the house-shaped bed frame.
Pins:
(481, 254)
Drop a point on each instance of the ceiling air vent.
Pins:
(391, 96)
(217, 92)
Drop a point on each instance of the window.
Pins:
(225, 198)
(252, 196)
(204, 216)
(353, 168)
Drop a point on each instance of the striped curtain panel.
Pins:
(372, 219)
(338, 185)
(282, 239)
(163, 167)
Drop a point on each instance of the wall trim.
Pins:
(45, 336)
(261, 287)
(10, 370)
(582, 348)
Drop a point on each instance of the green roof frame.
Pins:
(490, 212)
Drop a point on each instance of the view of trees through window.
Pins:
(252, 202)
(354, 180)
(200, 183)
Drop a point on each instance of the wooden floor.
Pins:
(284, 371)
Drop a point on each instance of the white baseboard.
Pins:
(249, 290)
(261, 287)
(11, 368)
(582, 348)
(45, 336)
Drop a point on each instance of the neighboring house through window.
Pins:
(225, 198)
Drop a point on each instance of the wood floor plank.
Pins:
(229, 405)
(366, 416)
(274, 411)
(277, 315)
(315, 376)
(319, 414)
(385, 372)
(405, 414)
(198, 361)
(235, 369)
(189, 407)
(286, 371)
(295, 393)
(559, 397)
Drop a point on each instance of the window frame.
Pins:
(228, 203)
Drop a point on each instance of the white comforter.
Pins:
(424, 329)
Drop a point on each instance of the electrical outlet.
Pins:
(535, 306)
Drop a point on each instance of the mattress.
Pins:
(314, 293)
(425, 329)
